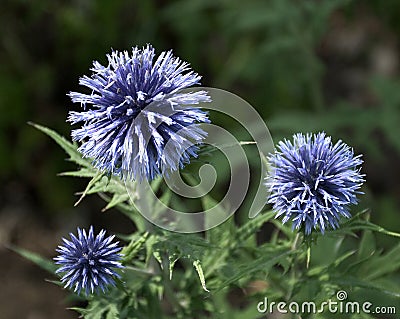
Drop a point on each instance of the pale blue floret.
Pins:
(135, 109)
(312, 181)
(87, 262)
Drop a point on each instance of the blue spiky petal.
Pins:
(88, 262)
(135, 109)
(313, 182)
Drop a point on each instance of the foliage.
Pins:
(172, 275)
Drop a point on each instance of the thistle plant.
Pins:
(134, 110)
(313, 182)
(88, 261)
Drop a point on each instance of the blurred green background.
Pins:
(329, 65)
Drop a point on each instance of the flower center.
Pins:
(87, 258)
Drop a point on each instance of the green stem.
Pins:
(295, 241)
(169, 293)
(146, 272)
(293, 247)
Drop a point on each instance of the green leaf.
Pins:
(150, 242)
(108, 184)
(172, 259)
(92, 182)
(134, 215)
(379, 266)
(220, 235)
(113, 312)
(67, 146)
(226, 244)
(157, 290)
(83, 172)
(115, 200)
(367, 245)
(199, 269)
(261, 264)
(79, 310)
(95, 310)
(284, 228)
(43, 263)
(342, 258)
(130, 251)
(324, 269)
(176, 246)
(251, 227)
(159, 258)
(350, 281)
(356, 223)
(99, 309)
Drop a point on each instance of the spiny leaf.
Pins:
(95, 310)
(172, 259)
(251, 227)
(44, 263)
(243, 233)
(133, 247)
(342, 258)
(323, 269)
(57, 283)
(93, 181)
(261, 264)
(81, 311)
(108, 185)
(150, 242)
(159, 258)
(188, 240)
(157, 290)
(199, 269)
(367, 245)
(115, 200)
(67, 146)
(284, 228)
(378, 266)
(133, 214)
(357, 223)
(113, 312)
(350, 281)
(99, 309)
(83, 172)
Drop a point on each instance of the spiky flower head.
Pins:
(137, 123)
(88, 261)
(312, 181)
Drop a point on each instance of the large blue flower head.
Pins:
(88, 261)
(137, 123)
(312, 181)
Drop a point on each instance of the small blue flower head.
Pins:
(137, 121)
(87, 262)
(312, 182)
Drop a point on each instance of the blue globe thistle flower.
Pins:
(312, 181)
(137, 123)
(87, 262)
